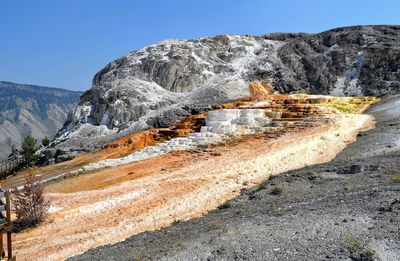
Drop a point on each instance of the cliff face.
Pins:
(31, 110)
(159, 84)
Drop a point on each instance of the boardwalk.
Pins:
(8, 166)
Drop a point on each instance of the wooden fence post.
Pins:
(3, 254)
(8, 212)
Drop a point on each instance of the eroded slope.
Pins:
(342, 210)
(111, 204)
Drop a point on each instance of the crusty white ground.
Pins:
(85, 220)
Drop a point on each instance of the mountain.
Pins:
(161, 83)
(31, 110)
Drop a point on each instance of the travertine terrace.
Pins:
(259, 114)
(192, 171)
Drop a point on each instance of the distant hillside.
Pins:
(30, 109)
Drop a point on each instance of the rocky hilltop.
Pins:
(161, 83)
(31, 110)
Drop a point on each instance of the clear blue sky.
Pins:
(63, 43)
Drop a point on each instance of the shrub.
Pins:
(45, 141)
(224, 205)
(275, 191)
(262, 185)
(29, 204)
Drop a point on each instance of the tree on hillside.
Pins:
(29, 148)
(29, 204)
(45, 141)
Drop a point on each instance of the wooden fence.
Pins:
(10, 165)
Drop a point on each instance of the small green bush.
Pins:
(275, 191)
(225, 205)
(262, 185)
(45, 141)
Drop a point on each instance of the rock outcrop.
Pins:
(158, 85)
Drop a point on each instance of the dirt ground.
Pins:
(112, 204)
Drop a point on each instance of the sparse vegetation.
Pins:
(262, 185)
(396, 178)
(136, 256)
(175, 222)
(275, 191)
(180, 243)
(394, 174)
(29, 204)
(359, 247)
(226, 204)
(216, 224)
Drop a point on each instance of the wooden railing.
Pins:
(10, 165)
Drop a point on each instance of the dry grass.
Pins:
(359, 245)
(396, 178)
(394, 174)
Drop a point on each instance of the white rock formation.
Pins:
(160, 84)
(235, 122)
(221, 125)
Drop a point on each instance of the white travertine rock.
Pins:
(235, 121)
(221, 125)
